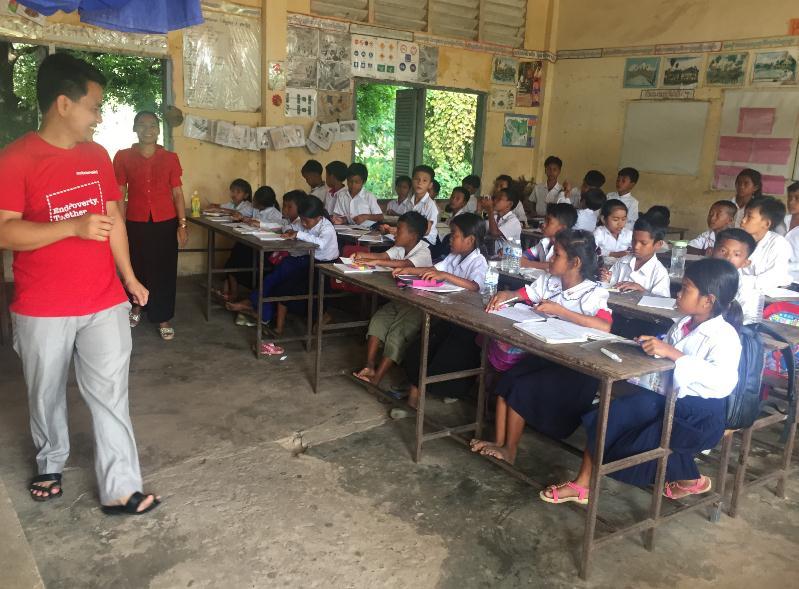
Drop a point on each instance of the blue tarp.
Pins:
(130, 16)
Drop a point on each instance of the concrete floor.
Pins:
(217, 434)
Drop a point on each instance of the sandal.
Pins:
(271, 349)
(702, 485)
(134, 318)
(167, 333)
(132, 506)
(581, 498)
(36, 484)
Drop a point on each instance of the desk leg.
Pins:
(422, 386)
(660, 476)
(259, 336)
(481, 390)
(605, 389)
(787, 452)
(209, 273)
(318, 359)
(309, 326)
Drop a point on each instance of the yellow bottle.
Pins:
(195, 204)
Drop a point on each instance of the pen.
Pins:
(610, 354)
(511, 300)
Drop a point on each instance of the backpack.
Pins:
(743, 404)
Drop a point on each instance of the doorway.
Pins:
(400, 127)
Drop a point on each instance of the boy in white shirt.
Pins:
(625, 182)
(402, 186)
(591, 202)
(572, 196)
(364, 210)
(422, 203)
(457, 202)
(472, 183)
(559, 217)
(770, 260)
(335, 176)
(505, 181)
(502, 224)
(736, 245)
(641, 270)
(720, 217)
(395, 324)
(613, 238)
(547, 192)
(312, 173)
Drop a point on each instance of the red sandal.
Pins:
(581, 498)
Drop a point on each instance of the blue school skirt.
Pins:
(635, 423)
(551, 398)
(284, 273)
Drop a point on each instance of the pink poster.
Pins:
(735, 149)
(756, 121)
(724, 177)
(772, 185)
(770, 151)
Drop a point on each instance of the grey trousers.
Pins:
(100, 345)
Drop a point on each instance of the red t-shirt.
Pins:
(47, 184)
(150, 181)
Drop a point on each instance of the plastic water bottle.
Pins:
(515, 257)
(678, 251)
(491, 282)
(195, 204)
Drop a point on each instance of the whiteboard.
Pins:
(664, 136)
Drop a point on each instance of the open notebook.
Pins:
(557, 331)
(519, 313)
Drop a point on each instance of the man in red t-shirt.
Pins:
(60, 216)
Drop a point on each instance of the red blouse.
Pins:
(150, 181)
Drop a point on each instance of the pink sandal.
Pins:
(271, 349)
(581, 498)
(702, 485)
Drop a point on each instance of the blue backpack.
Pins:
(744, 404)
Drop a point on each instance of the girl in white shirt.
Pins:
(706, 349)
(613, 238)
(266, 210)
(548, 396)
(240, 199)
(451, 347)
(241, 256)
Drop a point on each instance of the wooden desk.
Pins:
(290, 245)
(466, 309)
(372, 246)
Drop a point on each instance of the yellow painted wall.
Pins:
(585, 121)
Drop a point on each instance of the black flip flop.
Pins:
(131, 506)
(36, 485)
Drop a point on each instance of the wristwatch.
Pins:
(182, 223)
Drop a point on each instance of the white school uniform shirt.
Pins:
(586, 220)
(709, 368)
(542, 196)
(632, 206)
(267, 216)
(520, 213)
(471, 267)
(573, 198)
(586, 298)
(419, 256)
(739, 214)
(769, 262)
(747, 295)
(653, 275)
(428, 209)
(320, 192)
(471, 204)
(704, 240)
(341, 203)
(363, 203)
(509, 225)
(609, 244)
(455, 214)
(792, 236)
(542, 251)
(295, 225)
(244, 208)
(324, 235)
(395, 207)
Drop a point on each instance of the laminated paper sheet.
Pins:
(756, 121)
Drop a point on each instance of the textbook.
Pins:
(519, 313)
(557, 331)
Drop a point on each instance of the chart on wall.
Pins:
(759, 130)
(388, 59)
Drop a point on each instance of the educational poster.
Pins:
(334, 75)
(504, 70)
(682, 71)
(390, 59)
(222, 63)
(528, 83)
(302, 42)
(758, 130)
(641, 72)
(277, 75)
(428, 64)
(519, 130)
(501, 98)
(775, 68)
(727, 69)
(333, 106)
(301, 72)
(287, 136)
(197, 128)
(300, 102)
(347, 131)
(334, 46)
(320, 136)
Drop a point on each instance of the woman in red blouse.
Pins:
(156, 218)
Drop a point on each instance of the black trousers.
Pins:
(154, 256)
